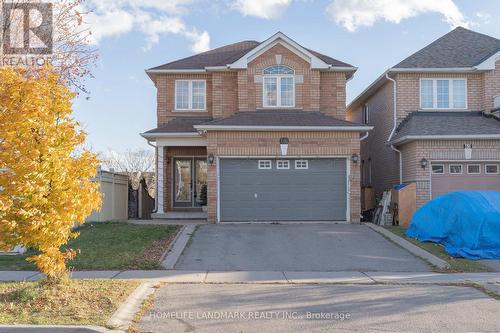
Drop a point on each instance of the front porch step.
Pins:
(180, 216)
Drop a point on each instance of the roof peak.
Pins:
(231, 53)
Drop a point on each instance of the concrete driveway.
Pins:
(295, 247)
(321, 308)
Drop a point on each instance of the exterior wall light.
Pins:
(211, 159)
(284, 146)
(355, 158)
(424, 163)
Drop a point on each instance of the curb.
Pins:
(172, 255)
(55, 329)
(123, 317)
(412, 248)
(171, 245)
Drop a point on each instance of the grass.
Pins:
(77, 302)
(110, 246)
(456, 264)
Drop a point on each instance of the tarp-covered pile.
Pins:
(466, 223)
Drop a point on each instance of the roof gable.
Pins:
(238, 55)
(284, 40)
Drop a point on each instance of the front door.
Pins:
(190, 175)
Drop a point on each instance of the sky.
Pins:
(133, 35)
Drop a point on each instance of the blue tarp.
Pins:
(466, 223)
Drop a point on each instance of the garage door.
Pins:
(283, 190)
(460, 176)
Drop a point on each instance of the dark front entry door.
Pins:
(190, 174)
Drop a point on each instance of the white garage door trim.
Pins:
(464, 168)
(348, 177)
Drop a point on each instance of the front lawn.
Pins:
(111, 246)
(456, 264)
(77, 302)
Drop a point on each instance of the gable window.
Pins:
(443, 94)
(278, 87)
(282, 164)
(365, 114)
(190, 95)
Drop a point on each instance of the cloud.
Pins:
(485, 18)
(266, 9)
(352, 14)
(154, 18)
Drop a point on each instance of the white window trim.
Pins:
(474, 173)
(297, 167)
(456, 173)
(365, 114)
(437, 173)
(286, 165)
(269, 164)
(491, 173)
(278, 90)
(190, 96)
(434, 93)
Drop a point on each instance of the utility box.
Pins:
(404, 203)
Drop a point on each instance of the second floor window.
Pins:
(278, 87)
(443, 94)
(190, 95)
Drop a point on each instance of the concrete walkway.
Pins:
(263, 277)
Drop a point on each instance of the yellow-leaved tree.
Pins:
(45, 174)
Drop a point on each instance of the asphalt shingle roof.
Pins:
(228, 54)
(458, 48)
(422, 123)
(182, 124)
(281, 118)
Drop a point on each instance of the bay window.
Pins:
(278, 87)
(443, 94)
(190, 95)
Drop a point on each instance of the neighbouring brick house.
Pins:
(263, 126)
(436, 118)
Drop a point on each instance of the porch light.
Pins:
(284, 146)
(423, 163)
(355, 158)
(211, 159)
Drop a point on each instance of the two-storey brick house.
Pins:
(263, 126)
(435, 118)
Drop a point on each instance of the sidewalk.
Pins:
(263, 277)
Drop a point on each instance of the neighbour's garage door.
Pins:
(460, 176)
(283, 190)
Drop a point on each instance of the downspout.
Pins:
(156, 173)
(395, 125)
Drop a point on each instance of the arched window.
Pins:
(278, 70)
(278, 86)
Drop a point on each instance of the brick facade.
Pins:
(230, 91)
(441, 150)
(303, 144)
(481, 88)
